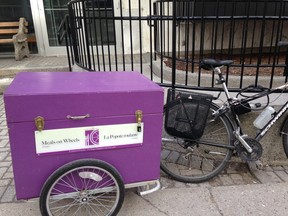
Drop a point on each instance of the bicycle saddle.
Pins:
(210, 64)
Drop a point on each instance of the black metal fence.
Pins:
(165, 40)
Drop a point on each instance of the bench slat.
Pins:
(9, 24)
(11, 31)
(3, 41)
(8, 31)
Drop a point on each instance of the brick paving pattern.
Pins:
(7, 189)
(234, 174)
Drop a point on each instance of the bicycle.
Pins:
(200, 137)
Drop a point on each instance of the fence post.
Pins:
(174, 45)
(73, 31)
(67, 34)
(84, 9)
(285, 73)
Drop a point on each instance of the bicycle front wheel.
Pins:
(194, 161)
(83, 187)
(285, 137)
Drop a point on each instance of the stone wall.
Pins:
(231, 34)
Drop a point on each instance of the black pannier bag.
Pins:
(186, 113)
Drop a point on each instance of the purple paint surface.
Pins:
(109, 98)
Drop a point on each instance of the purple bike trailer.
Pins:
(58, 117)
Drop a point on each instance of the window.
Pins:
(100, 22)
(55, 11)
(98, 14)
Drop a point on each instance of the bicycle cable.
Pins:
(278, 96)
(258, 88)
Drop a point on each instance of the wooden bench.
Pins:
(16, 33)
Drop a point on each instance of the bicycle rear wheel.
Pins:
(285, 137)
(193, 161)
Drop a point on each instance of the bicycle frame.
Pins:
(238, 131)
(266, 128)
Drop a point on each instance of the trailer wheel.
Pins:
(83, 187)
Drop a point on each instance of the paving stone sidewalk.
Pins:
(7, 190)
(234, 174)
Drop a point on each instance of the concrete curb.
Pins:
(206, 79)
(269, 174)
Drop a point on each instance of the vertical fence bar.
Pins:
(70, 41)
(193, 37)
(161, 40)
(86, 35)
(140, 36)
(131, 34)
(73, 31)
(108, 37)
(89, 20)
(179, 31)
(216, 30)
(114, 36)
(122, 35)
(202, 35)
(155, 12)
(272, 36)
(101, 35)
(286, 66)
(276, 48)
(213, 38)
(244, 41)
(66, 35)
(163, 29)
(95, 34)
(173, 81)
(80, 35)
(231, 31)
(222, 35)
(261, 44)
(281, 29)
(151, 47)
(187, 36)
(168, 29)
(253, 34)
(231, 38)
(78, 30)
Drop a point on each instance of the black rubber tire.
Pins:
(103, 169)
(285, 136)
(181, 171)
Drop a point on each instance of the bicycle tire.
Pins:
(184, 165)
(285, 137)
(83, 187)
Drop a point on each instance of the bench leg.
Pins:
(21, 48)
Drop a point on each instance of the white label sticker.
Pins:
(83, 138)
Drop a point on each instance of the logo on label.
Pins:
(92, 137)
